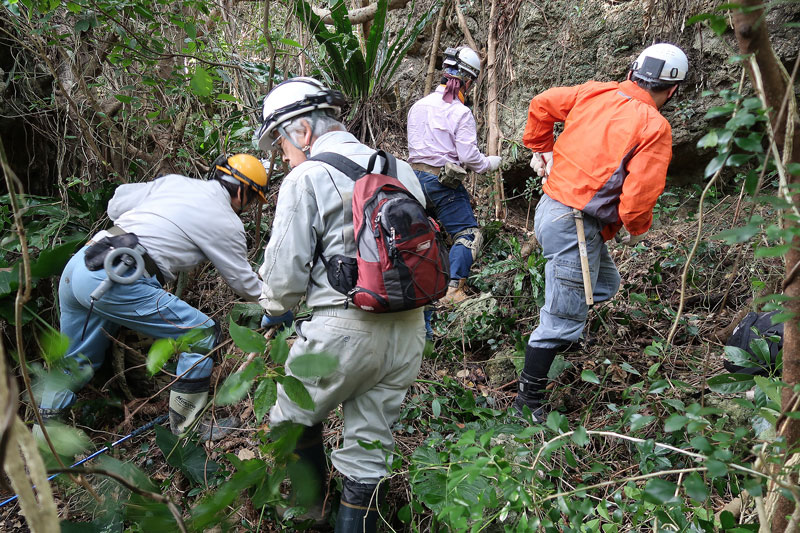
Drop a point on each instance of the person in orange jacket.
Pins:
(609, 165)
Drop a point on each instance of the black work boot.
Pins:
(533, 381)
(309, 478)
(531, 395)
(358, 508)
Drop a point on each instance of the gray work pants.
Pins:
(563, 316)
(379, 358)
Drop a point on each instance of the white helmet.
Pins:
(463, 58)
(661, 62)
(291, 98)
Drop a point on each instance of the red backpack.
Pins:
(401, 261)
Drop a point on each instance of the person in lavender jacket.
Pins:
(443, 143)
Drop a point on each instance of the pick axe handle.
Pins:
(587, 277)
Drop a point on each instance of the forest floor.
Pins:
(478, 350)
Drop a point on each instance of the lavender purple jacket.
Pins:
(441, 132)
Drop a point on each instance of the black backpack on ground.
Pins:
(743, 335)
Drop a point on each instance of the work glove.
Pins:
(541, 163)
(632, 240)
(494, 162)
(283, 320)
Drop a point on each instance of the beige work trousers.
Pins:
(379, 358)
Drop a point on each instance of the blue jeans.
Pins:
(142, 306)
(563, 316)
(452, 208)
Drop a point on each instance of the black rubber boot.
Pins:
(311, 453)
(533, 382)
(358, 508)
(309, 476)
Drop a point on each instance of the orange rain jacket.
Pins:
(611, 159)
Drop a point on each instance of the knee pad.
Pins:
(470, 238)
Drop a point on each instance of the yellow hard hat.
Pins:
(246, 169)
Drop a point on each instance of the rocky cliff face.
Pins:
(566, 42)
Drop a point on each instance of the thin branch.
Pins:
(462, 24)
(361, 14)
(437, 36)
(176, 512)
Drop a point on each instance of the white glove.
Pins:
(632, 240)
(541, 163)
(494, 162)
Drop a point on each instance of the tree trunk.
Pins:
(437, 36)
(753, 38)
(493, 142)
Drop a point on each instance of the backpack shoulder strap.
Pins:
(343, 164)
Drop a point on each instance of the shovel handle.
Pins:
(587, 277)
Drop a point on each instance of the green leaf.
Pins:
(716, 468)
(720, 111)
(738, 235)
(580, 436)
(54, 345)
(128, 471)
(695, 488)
(731, 383)
(124, 98)
(201, 83)
(52, 260)
(743, 119)
(9, 280)
(660, 491)
(715, 164)
(793, 169)
(235, 387)
(719, 24)
(737, 160)
(709, 140)
(290, 42)
(185, 455)
(404, 514)
(772, 388)
(279, 348)
(83, 25)
(698, 18)
(246, 339)
(701, 444)
(313, 365)
(160, 351)
(751, 143)
(772, 251)
(674, 423)
(589, 376)
(264, 398)
(639, 421)
(297, 392)
(191, 30)
(753, 486)
(436, 408)
(639, 298)
(376, 35)
(739, 357)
